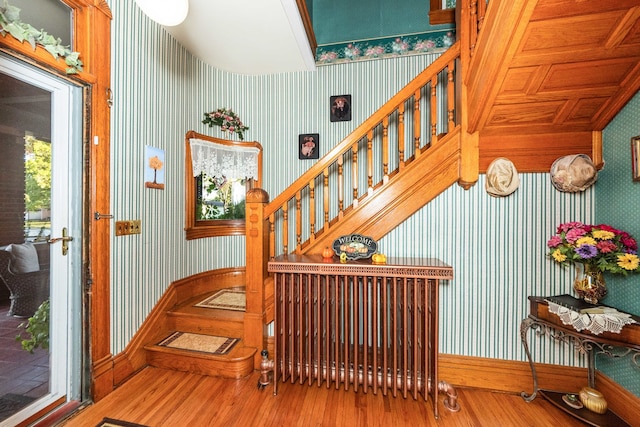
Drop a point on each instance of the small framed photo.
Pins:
(635, 158)
(340, 108)
(308, 146)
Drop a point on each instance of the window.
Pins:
(219, 173)
(442, 12)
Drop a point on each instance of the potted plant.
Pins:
(35, 332)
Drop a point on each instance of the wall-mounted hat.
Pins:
(573, 173)
(502, 178)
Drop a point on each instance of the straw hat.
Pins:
(502, 178)
(573, 173)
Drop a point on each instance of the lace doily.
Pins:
(609, 320)
(217, 160)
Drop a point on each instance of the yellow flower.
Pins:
(603, 234)
(628, 261)
(586, 240)
(558, 256)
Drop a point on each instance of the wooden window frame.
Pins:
(197, 229)
(438, 15)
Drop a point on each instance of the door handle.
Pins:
(65, 239)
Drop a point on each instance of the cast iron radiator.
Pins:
(372, 328)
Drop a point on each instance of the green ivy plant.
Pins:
(10, 24)
(36, 329)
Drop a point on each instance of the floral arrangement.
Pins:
(227, 120)
(600, 246)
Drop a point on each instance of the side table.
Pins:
(544, 322)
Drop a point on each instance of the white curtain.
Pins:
(217, 160)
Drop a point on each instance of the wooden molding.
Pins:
(515, 377)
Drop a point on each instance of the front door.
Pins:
(41, 127)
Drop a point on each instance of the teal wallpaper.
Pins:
(364, 29)
(336, 21)
(618, 204)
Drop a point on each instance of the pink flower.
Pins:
(574, 234)
(606, 247)
(554, 241)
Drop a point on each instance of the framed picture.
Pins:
(340, 108)
(308, 146)
(154, 168)
(635, 157)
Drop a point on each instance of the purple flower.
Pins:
(586, 251)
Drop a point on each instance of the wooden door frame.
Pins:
(92, 39)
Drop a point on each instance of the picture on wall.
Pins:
(308, 146)
(635, 158)
(340, 108)
(154, 168)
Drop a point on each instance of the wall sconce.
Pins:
(165, 12)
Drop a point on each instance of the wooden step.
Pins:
(186, 317)
(238, 363)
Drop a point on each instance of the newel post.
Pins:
(257, 232)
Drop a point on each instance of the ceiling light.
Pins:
(165, 12)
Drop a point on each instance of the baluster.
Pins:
(370, 162)
(285, 228)
(401, 136)
(451, 93)
(482, 11)
(385, 149)
(326, 198)
(473, 11)
(434, 109)
(312, 209)
(298, 220)
(272, 236)
(340, 187)
(354, 173)
(416, 123)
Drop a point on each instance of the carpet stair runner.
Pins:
(191, 346)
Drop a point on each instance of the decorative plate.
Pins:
(355, 246)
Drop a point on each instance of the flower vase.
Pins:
(589, 283)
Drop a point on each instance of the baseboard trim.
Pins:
(515, 377)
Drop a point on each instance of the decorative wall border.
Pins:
(362, 50)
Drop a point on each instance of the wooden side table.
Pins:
(547, 323)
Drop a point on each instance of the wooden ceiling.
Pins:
(553, 67)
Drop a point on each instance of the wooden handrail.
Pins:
(367, 153)
(375, 119)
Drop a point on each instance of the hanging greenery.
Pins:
(10, 24)
(36, 329)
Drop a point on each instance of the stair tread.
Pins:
(238, 352)
(188, 308)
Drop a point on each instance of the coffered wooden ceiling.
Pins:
(552, 66)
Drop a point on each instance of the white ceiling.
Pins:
(252, 37)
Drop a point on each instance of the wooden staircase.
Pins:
(185, 317)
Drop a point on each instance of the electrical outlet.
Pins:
(124, 228)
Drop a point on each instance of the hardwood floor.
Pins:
(159, 398)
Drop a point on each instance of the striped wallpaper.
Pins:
(496, 246)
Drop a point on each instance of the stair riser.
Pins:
(185, 362)
(226, 328)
